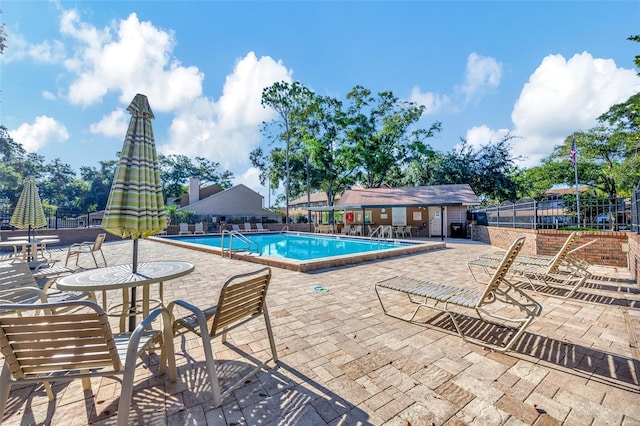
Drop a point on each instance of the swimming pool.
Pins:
(302, 251)
(297, 246)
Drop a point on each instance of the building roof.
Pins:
(316, 197)
(418, 196)
(207, 191)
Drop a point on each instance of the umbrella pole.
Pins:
(134, 269)
(29, 244)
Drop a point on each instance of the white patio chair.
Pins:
(87, 247)
(242, 299)
(78, 345)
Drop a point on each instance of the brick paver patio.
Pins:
(343, 362)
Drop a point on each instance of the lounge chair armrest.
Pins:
(582, 246)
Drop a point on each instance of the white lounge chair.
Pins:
(247, 227)
(199, 228)
(498, 295)
(184, 229)
(260, 228)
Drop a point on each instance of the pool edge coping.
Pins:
(316, 264)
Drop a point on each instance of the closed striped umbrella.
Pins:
(135, 207)
(29, 213)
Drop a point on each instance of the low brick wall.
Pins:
(607, 249)
(66, 236)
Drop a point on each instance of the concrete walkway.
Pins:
(343, 362)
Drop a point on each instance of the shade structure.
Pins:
(135, 207)
(29, 213)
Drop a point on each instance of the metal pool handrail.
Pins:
(381, 231)
(248, 241)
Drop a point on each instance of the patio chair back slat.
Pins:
(240, 300)
(77, 344)
(39, 344)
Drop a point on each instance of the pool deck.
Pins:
(343, 362)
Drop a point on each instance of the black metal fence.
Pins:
(635, 209)
(594, 213)
(57, 218)
(60, 218)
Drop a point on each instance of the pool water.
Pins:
(298, 246)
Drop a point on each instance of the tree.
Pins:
(332, 164)
(175, 171)
(96, 185)
(58, 185)
(287, 100)
(490, 170)
(378, 128)
(3, 37)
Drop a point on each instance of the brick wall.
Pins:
(503, 237)
(634, 255)
(606, 250)
(66, 236)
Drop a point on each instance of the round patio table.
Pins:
(123, 277)
(31, 250)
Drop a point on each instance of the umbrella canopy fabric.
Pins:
(29, 213)
(136, 206)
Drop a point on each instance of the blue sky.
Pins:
(539, 70)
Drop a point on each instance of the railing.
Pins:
(382, 231)
(635, 209)
(284, 229)
(597, 213)
(243, 238)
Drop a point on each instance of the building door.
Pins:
(435, 222)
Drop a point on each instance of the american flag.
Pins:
(573, 153)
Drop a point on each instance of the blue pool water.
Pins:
(298, 246)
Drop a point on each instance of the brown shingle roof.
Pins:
(434, 195)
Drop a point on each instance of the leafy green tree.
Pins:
(332, 164)
(58, 185)
(288, 101)
(175, 171)
(378, 129)
(96, 185)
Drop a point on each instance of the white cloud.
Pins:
(565, 96)
(482, 135)
(113, 125)
(43, 131)
(432, 101)
(227, 130)
(48, 95)
(20, 49)
(131, 57)
(481, 73)
(251, 179)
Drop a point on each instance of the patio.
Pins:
(343, 362)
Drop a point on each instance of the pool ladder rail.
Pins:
(382, 232)
(238, 235)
